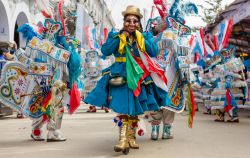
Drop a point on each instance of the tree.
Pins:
(211, 9)
(196, 28)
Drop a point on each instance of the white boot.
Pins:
(155, 132)
(55, 136)
(167, 134)
(36, 135)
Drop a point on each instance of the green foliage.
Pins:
(196, 28)
(211, 9)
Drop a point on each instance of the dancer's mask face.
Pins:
(131, 23)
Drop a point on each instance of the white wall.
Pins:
(13, 11)
(4, 21)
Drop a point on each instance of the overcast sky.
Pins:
(117, 6)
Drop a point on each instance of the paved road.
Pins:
(93, 136)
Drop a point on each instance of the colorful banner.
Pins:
(178, 26)
(95, 42)
(40, 69)
(14, 82)
(33, 98)
(175, 88)
(52, 29)
(80, 22)
(46, 47)
(89, 40)
(174, 81)
(20, 87)
(21, 57)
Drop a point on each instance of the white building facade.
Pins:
(14, 13)
(96, 15)
(99, 12)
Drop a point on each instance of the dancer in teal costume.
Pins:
(119, 97)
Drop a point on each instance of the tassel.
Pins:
(191, 106)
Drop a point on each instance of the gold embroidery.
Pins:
(105, 73)
(120, 59)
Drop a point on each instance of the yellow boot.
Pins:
(123, 141)
(132, 133)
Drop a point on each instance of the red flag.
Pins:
(153, 67)
(150, 67)
(137, 91)
(156, 72)
(75, 99)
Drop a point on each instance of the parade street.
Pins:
(92, 135)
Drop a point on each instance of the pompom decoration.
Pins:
(118, 121)
(37, 132)
(134, 124)
(119, 124)
(140, 132)
(115, 120)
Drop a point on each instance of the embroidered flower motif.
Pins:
(17, 91)
(20, 82)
